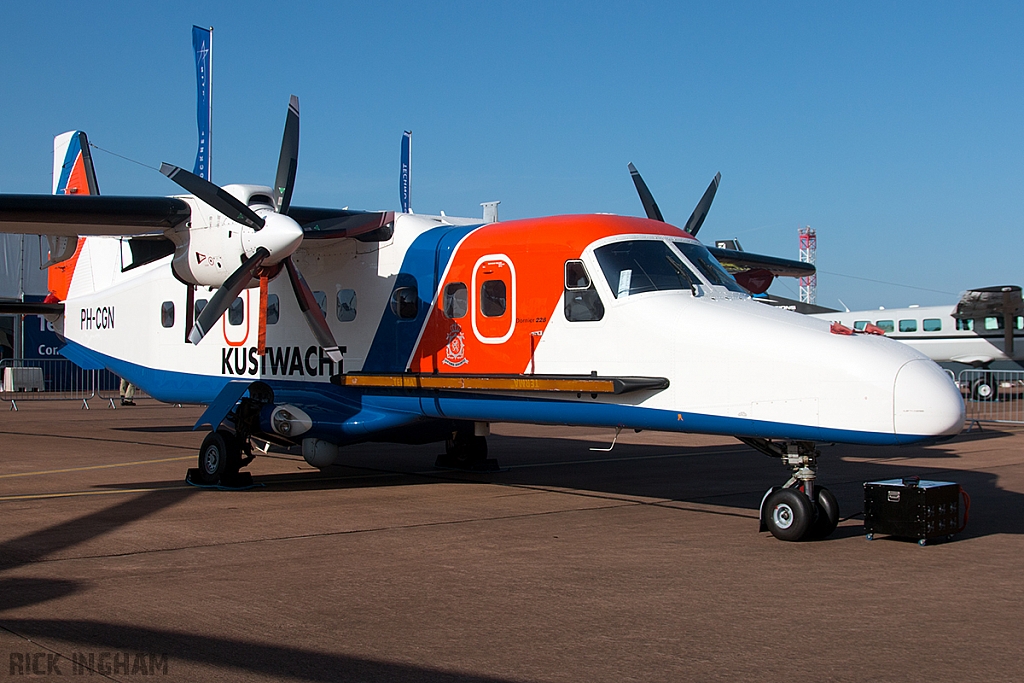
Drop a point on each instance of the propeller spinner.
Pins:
(273, 238)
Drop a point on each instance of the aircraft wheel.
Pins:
(788, 514)
(218, 456)
(465, 449)
(828, 514)
(984, 389)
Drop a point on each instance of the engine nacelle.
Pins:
(211, 246)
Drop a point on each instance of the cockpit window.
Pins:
(708, 266)
(642, 266)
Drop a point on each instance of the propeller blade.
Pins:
(289, 160)
(222, 299)
(311, 309)
(214, 196)
(701, 210)
(650, 206)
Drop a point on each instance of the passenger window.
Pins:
(860, 325)
(932, 324)
(167, 314)
(199, 306)
(964, 324)
(456, 300)
(576, 276)
(236, 314)
(346, 308)
(492, 298)
(908, 326)
(321, 301)
(405, 303)
(641, 266)
(886, 325)
(1019, 323)
(273, 309)
(993, 323)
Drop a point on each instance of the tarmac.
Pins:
(643, 563)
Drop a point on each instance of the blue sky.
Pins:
(893, 129)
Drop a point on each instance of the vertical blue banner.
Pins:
(202, 44)
(403, 181)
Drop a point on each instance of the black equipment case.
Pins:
(912, 508)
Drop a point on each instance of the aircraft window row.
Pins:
(998, 323)
(929, 325)
(990, 323)
(709, 266)
(167, 314)
(493, 298)
(641, 266)
(346, 305)
(456, 300)
(405, 303)
(346, 309)
(581, 302)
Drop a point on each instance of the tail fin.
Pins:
(73, 173)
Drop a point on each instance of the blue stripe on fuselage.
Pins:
(348, 415)
(424, 262)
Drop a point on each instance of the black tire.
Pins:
(464, 448)
(788, 514)
(985, 389)
(828, 514)
(219, 455)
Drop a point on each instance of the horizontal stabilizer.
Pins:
(73, 215)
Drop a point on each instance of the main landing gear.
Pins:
(226, 451)
(466, 449)
(800, 510)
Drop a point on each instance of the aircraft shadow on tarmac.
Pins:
(270, 660)
(730, 477)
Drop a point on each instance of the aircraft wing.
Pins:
(74, 215)
(321, 224)
(740, 261)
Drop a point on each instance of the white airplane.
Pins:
(978, 330)
(428, 328)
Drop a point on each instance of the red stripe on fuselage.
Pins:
(537, 249)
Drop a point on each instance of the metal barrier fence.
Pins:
(53, 379)
(993, 395)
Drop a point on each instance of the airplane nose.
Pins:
(926, 402)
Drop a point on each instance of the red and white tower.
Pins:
(808, 246)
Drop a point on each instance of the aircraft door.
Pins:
(494, 294)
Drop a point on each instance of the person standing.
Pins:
(127, 393)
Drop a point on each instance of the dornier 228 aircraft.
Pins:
(421, 328)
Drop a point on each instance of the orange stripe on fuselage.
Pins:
(58, 276)
(538, 249)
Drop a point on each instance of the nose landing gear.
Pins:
(800, 510)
